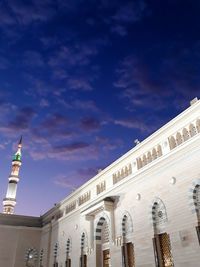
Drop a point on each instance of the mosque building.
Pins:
(143, 210)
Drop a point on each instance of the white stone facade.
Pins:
(151, 190)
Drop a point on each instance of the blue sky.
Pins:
(80, 80)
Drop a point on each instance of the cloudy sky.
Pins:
(80, 80)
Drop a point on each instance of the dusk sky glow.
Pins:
(81, 80)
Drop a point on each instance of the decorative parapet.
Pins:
(84, 198)
(70, 207)
(184, 134)
(149, 156)
(122, 173)
(101, 187)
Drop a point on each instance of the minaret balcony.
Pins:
(13, 178)
(17, 162)
(9, 202)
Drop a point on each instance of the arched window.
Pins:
(186, 135)
(172, 142)
(193, 130)
(118, 175)
(159, 215)
(159, 151)
(179, 139)
(198, 125)
(126, 171)
(139, 163)
(127, 225)
(144, 159)
(154, 154)
(122, 173)
(129, 169)
(149, 157)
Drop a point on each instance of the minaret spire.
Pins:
(9, 201)
(20, 141)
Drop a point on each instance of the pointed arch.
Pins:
(154, 154)
(192, 130)
(179, 138)
(102, 228)
(149, 157)
(144, 160)
(159, 150)
(126, 224)
(139, 163)
(186, 135)
(172, 142)
(198, 125)
(84, 240)
(159, 214)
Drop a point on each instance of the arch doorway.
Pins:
(128, 258)
(102, 243)
(161, 240)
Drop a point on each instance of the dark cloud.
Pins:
(68, 148)
(22, 118)
(53, 126)
(55, 120)
(90, 124)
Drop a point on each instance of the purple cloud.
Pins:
(90, 124)
(22, 119)
(68, 148)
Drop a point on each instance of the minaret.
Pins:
(9, 201)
